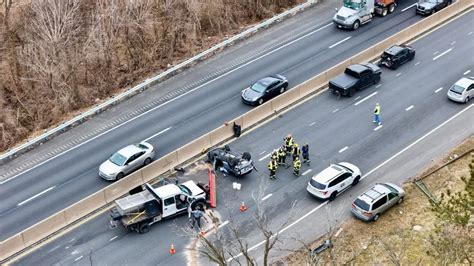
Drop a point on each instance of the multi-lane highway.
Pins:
(419, 124)
(64, 170)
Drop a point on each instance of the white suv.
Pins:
(333, 180)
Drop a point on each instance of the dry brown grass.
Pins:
(396, 227)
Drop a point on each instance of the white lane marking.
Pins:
(343, 149)
(378, 127)
(262, 153)
(398, 74)
(37, 195)
(223, 224)
(408, 7)
(72, 240)
(339, 42)
(416, 141)
(171, 100)
(307, 171)
(417, 63)
(453, 43)
(312, 124)
(366, 98)
(435, 52)
(113, 238)
(364, 176)
(467, 72)
(157, 134)
(409, 108)
(438, 90)
(443, 53)
(79, 258)
(264, 157)
(267, 196)
(335, 110)
(378, 86)
(53, 249)
(358, 97)
(469, 33)
(75, 252)
(66, 247)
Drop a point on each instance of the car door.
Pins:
(169, 206)
(344, 181)
(129, 164)
(392, 199)
(379, 205)
(366, 78)
(272, 89)
(470, 91)
(139, 159)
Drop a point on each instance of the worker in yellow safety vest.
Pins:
(272, 166)
(377, 114)
(296, 166)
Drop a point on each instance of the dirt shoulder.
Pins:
(403, 234)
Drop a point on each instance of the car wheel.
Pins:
(333, 196)
(384, 12)
(356, 180)
(356, 25)
(466, 100)
(144, 228)
(260, 101)
(350, 93)
(432, 11)
(449, 2)
(400, 200)
(199, 205)
(119, 176)
(282, 90)
(147, 161)
(376, 217)
(394, 66)
(391, 8)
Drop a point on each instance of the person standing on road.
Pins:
(305, 151)
(296, 151)
(282, 156)
(289, 141)
(196, 216)
(272, 166)
(377, 114)
(296, 166)
(275, 155)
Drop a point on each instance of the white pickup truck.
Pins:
(139, 211)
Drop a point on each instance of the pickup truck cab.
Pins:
(356, 77)
(139, 211)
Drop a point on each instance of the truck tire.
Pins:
(356, 25)
(391, 8)
(246, 156)
(384, 12)
(144, 228)
(350, 92)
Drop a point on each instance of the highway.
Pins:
(419, 125)
(64, 170)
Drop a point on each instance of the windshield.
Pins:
(457, 89)
(185, 189)
(118, 159)
(352, 5)
(430, 1)
(316, 184)
(362, 204)
(258, 87)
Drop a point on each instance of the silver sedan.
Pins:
(127, 160)
(462, 90)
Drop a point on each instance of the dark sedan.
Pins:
(264, 89)
(397, 55)
(428, 7)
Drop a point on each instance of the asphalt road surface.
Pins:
(65, 170)
(419, 125)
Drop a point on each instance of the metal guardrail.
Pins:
(30, 144)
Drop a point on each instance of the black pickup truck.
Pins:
(354, 78)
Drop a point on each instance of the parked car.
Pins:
(333, 180)
(127, 160)
(397, 55)
(356, 77)
(462, 91)
(372, 203)
(231, 162)
(428, 7)
(264, 89)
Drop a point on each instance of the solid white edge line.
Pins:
(339, 42)
(35, 196)
(364, 176)
(307, 171)
(408, 7)
(343, 149)
(366, 98)
(267, 196)
(264, 157)
(436, 91)
(157, 134)
(170, 101)
(467, 72)
(443, 53)
(409, 108)
(223, 224)
(416, 141)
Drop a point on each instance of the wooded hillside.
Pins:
(58, 56)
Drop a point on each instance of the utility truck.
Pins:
(137, 212)
(354, 13)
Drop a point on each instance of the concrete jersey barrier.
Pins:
(68, 216)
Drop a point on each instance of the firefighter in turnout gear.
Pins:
(275, 155)
(272, 166)
(296, 166)
(295, 152)
(282, 156)
(289, 141)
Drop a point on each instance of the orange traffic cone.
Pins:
(243, 207)
(172, 250)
